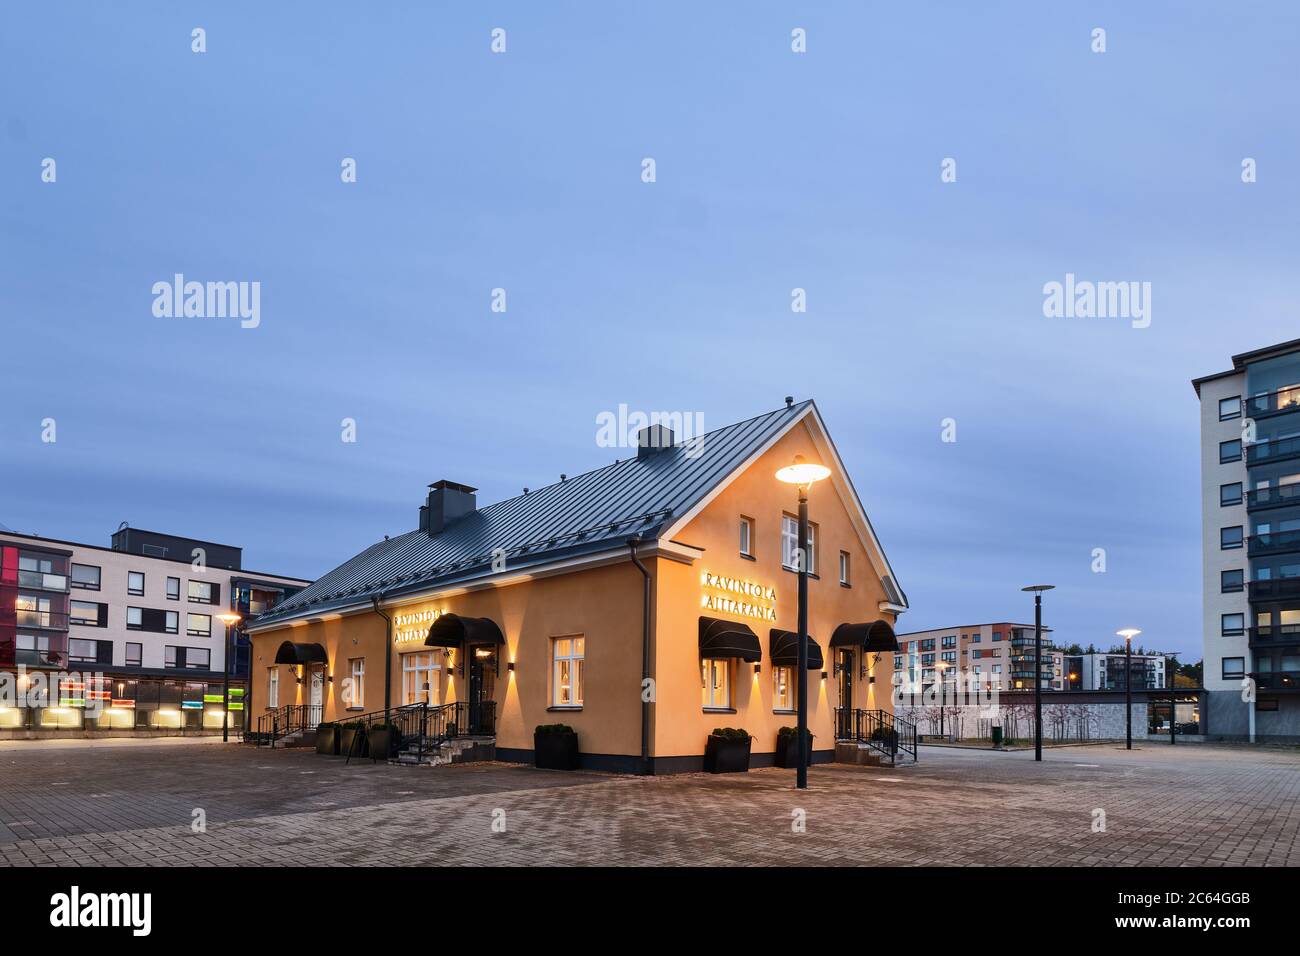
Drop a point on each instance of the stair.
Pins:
(858, 754)
(455, 750)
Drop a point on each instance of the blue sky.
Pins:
(522, 171)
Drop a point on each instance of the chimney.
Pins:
(652, 439)
(448, 502)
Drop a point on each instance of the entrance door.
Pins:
(482, 681)
(845, 667)
(317, 698)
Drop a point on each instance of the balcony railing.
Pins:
(1267, 634)
(1275, 590)
(1272, 403)
(42, 581)
(1277, 680)
(1274, 542)
(1279, 449)
(1279, 496)
(49, 620)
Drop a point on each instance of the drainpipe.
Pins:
(388, 652)
(645, 656)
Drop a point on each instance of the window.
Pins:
(173, 589)
(134, 618)
(783, 686)
(357, 671)
(1230, 538)
(898, 662)
(195, 658)
(927, 644)
(997, 668)
(949, 656)
(83, 612)
(1229, 451)
(927, 660)
(273, 687)
(747, 536)
(89, 652)
(135, 583)
(950, 640)
(1233, 625)
(172, 622)
(790, 544)
(420, 676)
(1230, 494)
(1230, 581)
(844, 568)
(715, 674)
(201, 593)
(975, 638)
(134, 654)
(1229, 408)
(1234, 668)
(566, 671)
(997, 635)
(198, 625)
(85, 576)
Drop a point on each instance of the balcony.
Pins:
(1267, 634)
(1276, 590)
(43, 582)
(1261, 499)
(1273, 403)
(1267, 452)
(1274, 542)
(1277, 680)
(43, 620)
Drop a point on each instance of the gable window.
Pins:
(173, 589)
(198, 625)
(790, 544)
(85, 576)
(567, 655)
(135, 583)
(1230, 494)
(1229, 451)
(1229, 408)
(844, 568)
(715, 675)
(273, 687)
(746, 537)
(783, 687)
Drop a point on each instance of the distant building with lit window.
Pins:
(993, 656)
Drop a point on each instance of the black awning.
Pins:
(784, 647)
(728, 639)
(877, 636)
(291, 653)
(452, 630)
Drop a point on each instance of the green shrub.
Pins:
(731, 733)
(555, 729)
(790, 732)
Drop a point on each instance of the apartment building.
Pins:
(1105, 671)
(1250, 517)
(127, 637)
(994, 656)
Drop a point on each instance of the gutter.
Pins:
(646, 768)
(388, 655)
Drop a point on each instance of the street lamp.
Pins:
(802, 474)
(1128, 634)
(1038, 590)
(943, 696)
(230, 619)
(1173, 700)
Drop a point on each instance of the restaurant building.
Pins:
(644, 604)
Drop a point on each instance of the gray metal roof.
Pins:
(589, 512)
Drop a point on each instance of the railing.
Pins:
(1272, 403)
(879, 729)
(1290, 633)
(51, 620)
(289, 719)
(1277, 680)
(42, 581)
(430, 725)
(1272, 542)
(1278, 449)
(1277, 496)
(1274, 589)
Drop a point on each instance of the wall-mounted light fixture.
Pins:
(758, 668)
(510, 665)
(871, 679)
(823, 675)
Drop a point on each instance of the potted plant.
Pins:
(327, 739)
(383, 740)
(727, 750)
(555, 747)
(787, 751)
(352, 739)
(887, 736)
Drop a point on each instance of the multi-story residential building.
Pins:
(1250, 514)
(1105, 671)
(996, 656)
(127, 637)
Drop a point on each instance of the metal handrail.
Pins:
(879, 729)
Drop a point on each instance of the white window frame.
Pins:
(716, 697)
(790, 543)
(357, 671)
(746, 536)
(845, 563)
(783, 702)
(574, 657)
(426, 674)
(273, 687)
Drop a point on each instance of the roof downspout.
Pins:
(646, 768)
(388, 653)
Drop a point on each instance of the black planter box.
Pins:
(786, 751)
(384, 743)
(555, 751)
(727, 754)
(349, 745)
(327, 739)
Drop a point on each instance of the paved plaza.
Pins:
(136, 803)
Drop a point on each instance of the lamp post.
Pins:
(230, 619)
(1128, 634)
(802, 474)
(939, 669)
(1038, 590)
(1173, 700)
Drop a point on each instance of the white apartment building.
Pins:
(994, 656)
(142, 616)
(1105, 671)
(1250, 522)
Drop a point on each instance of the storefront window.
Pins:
(716, 675)
(566, 681)
(420, 679)
(782, 688)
